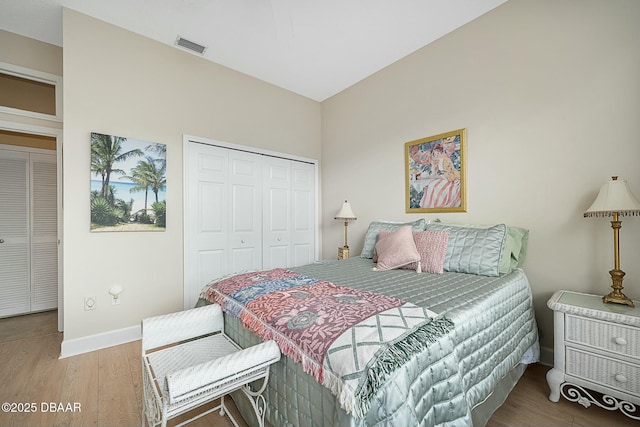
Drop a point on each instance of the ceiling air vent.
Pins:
(192, 46)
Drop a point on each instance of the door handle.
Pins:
(1, 240)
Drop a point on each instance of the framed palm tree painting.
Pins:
(128, 184)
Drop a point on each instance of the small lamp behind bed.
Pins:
(615, 199)
(345, 213)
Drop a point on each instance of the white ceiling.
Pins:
(315, 48)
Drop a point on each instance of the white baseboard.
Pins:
(96, 342)
(546, 356)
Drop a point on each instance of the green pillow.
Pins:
(515, 248)
(473, 250)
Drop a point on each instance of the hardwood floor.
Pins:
(529, 405)
(28, 326)
(105, 387)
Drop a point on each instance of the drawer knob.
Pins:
(620, 341)
(621, 378)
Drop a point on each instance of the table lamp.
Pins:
(614, 200)
(345, 213)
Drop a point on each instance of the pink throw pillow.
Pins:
(396, 250)
(432, 247)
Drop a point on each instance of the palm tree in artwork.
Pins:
(160, 150)
(139, 177)
(156, 170)
(106, 151)
(149, 173)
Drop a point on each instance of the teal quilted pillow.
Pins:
(371, 237)
(515, 246)
(474, 250)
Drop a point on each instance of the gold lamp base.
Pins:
(343, 252)
(616, 296)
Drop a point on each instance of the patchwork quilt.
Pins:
(349, 340)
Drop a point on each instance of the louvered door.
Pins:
(44, 232)
(14, 233)
(28, 232)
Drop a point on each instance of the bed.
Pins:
(463, 374)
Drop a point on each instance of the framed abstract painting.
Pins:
(435, 173)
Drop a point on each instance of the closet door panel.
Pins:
(14, 233)
(245, 237)
(44, 232)
(44, 284)
(276, 212)
(209, 265)
(303, 213)
(206, 219)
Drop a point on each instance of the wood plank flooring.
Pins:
(106, 386)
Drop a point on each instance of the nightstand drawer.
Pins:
(608, 336)
(608, 372)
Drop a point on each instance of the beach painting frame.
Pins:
(128, 184)
(435, 173)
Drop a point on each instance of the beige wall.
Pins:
(30, 53)
(548, 92)
(120, 83)
(34, 55)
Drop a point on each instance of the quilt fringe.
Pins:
(392, 357)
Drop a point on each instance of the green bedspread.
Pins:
(495, 326)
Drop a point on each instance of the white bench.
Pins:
(187, 361)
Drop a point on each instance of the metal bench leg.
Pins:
(258, 403)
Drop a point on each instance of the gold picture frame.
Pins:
(435, 173)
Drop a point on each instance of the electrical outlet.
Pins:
(89, 303)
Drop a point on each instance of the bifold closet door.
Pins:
(14, 233)
(288, 213)
(303, 204)
(276, 214)
(44, 232)
(244, 211)
(223, 215)
(206, 217)
(245, 205)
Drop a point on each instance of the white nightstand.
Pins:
(596, 348)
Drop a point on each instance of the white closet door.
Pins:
(206, 217)
(303, 213)
(245, 238)
(44, 232)
(14, 233)
(244, 211)
(276, 219)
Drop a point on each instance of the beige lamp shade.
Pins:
(614, 196)
(345, 212)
